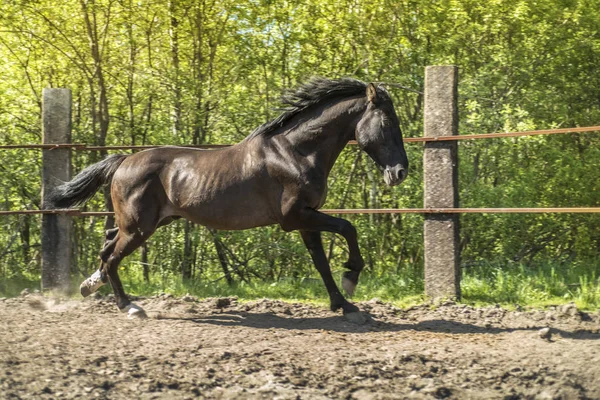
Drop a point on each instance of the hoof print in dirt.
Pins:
(36, 303)
(358, 318)
(188, 298)
(222, 302)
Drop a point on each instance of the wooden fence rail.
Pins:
(497, 135)
(73, 212)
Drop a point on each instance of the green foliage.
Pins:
(187, 72)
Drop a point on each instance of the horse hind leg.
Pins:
(99, 278)
(93, 282)
(110, 234)
(124, 244)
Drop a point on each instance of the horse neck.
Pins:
(327, 133)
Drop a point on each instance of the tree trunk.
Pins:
(222, 256)
(101, 115)
(186, 265)
(144, 259)
(176, 122)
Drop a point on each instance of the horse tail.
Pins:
(85, 184)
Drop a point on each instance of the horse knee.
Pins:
(347, 229)
(355, 265)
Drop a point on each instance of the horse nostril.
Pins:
(402, 173)
(395, 175)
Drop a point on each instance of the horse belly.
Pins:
(242, 205)
(229, 215)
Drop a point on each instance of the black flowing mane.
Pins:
(308, 94)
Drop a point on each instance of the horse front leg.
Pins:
(312, 220)
(312, 240)
(310, 223)
(125, 243)
(355, 262)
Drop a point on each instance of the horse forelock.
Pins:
(309, 94)
(381, 89)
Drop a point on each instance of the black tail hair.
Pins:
(85, 184)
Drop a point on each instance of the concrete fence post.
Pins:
(441, 231)
(56, 168)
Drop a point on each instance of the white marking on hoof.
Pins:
(356, 318)
(91, 284)
(134, 311)
(348, 286)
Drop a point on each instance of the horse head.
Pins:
(378, 134)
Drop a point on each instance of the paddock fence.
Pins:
(441, 208)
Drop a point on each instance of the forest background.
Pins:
(207, 71)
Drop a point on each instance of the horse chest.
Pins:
(323, 197)
(314, 190)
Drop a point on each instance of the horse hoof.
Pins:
(91, 284)
(137, 314)
(134, 311)
(348, 286)
(356, 318)
(85, 291)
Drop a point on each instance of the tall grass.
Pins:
(400, 290)
(535, 285)
(507, 284)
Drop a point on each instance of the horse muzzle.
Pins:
(394, 175)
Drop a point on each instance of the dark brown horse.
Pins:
(277, 175)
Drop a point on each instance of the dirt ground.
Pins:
(219, 348)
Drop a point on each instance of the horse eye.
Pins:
(385, 121)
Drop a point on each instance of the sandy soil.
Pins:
(218, 348)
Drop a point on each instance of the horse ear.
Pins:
(371, 93)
